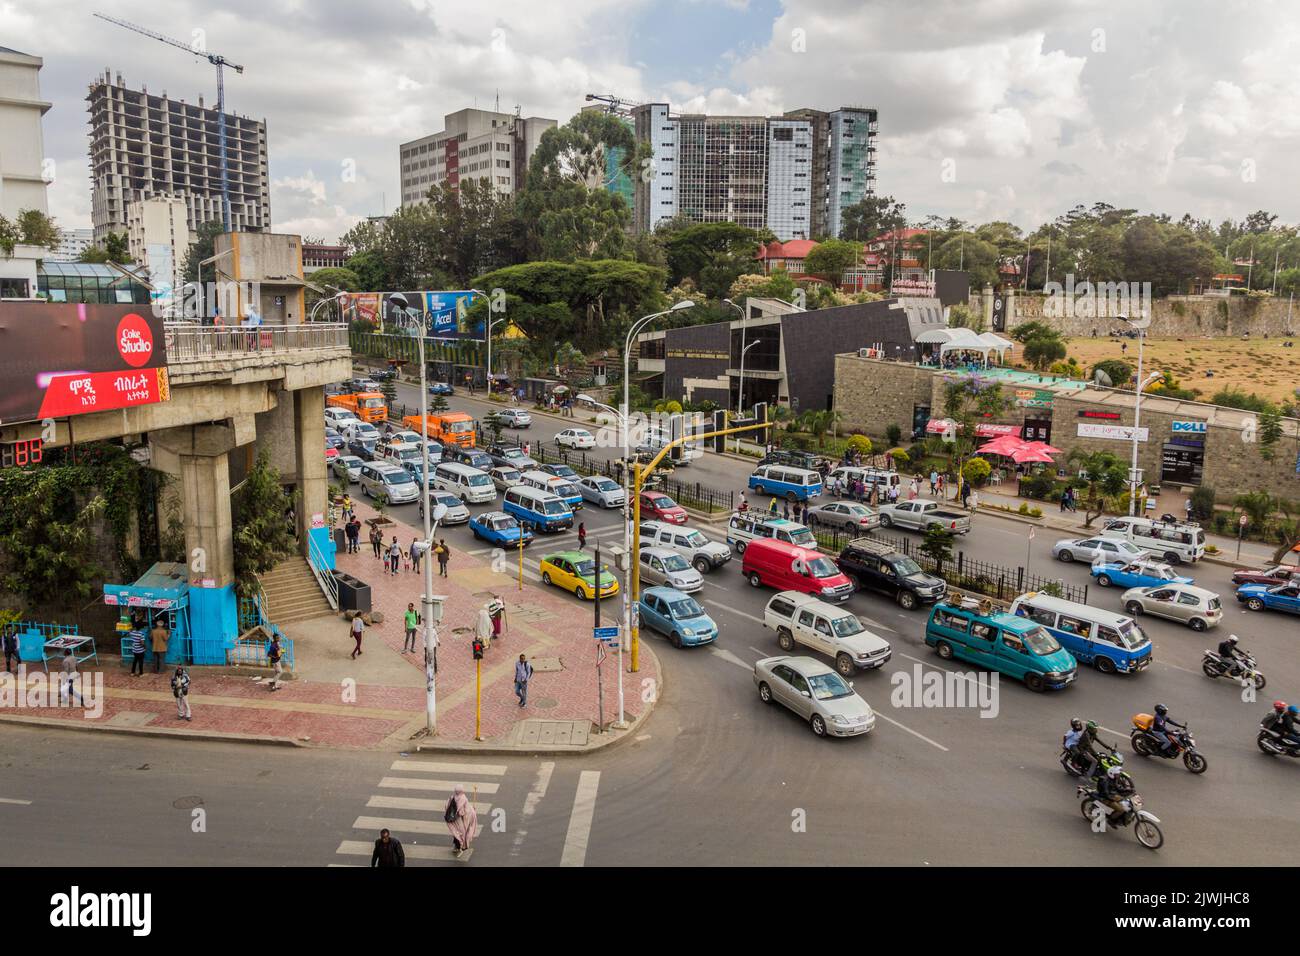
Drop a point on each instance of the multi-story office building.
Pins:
(22, 154)
(142, 146)
(792, 174)
(159, 237)
(475, 144)
(72, 243)
(316, 256)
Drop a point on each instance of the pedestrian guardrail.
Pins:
(323, 573)
(191, 342)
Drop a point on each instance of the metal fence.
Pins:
(191, 342)
(962, 571)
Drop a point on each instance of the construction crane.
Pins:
(613, 104)
(220, 62)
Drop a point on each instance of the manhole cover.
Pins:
(545, 703)
(187, 803)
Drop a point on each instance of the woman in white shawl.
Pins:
(465, 822)
(483, 627)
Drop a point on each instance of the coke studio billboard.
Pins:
(58, 360)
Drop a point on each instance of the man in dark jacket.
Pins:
(388, 851)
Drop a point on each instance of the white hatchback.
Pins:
(576, 438)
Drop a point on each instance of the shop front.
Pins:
(1037, 404)
(1182, 459)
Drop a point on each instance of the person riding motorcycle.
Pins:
(1108, 792)
(1232, 655)
(1087, 749)
(1273, 720)
(1160, 727)
(1071, 740)
(1288, 725)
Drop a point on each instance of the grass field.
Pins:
(1262, 366)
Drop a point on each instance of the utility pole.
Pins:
(600, 683)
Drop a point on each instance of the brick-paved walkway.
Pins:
(380, 710)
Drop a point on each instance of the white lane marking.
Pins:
(407, 783)
(584, 810)
(900, 726)
(19, 803)
(413, 852)
(534, 797)
(432, 766)
(966, 677)
(758, 652)
(375, 824)
(732, 610)
(379, 802)
(1109, 731)
(730, 658)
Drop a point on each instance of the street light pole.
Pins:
(1140, 323)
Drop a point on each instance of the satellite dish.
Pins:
(1100, 377)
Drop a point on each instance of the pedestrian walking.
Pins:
(376, 541)
(913, 491)
(974, 500)
(965, 494)
(10, 641)
(785, 508)
(388, 851)
(394, 555)
(137, 653)
(358, 626)
(523, 674)
(771, 506)
(69, 685)
(406, 560)
(347, 508)
(497, 608)
(159, 637)
(940, 487)
(744, 503)
(411, 619)
(483, 627)
(444, 555)
(275, 654)
(181, 691)
(582, 536)
(1188, 506)
(461, 819)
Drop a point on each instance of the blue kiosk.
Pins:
(163, 590)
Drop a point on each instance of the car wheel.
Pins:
(582, 593)
(1134, 609)
(886, 521)
(1173, 557)
(740, 547)
(907, 600)
(1066, 556)
(765, 693)
(1255, 604)
(791, 497)
(1197, 624)
(785, 639)
(675, 640)
(759, 489)
(1103, 580)
(546, 577)
(754, 580)
(855, 581)
(1034, 681)
(702, 565)
(1105, 665)
(944, 650)
(818, 725)
(844, 664)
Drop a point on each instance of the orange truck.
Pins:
(367, 406)
(449, 428)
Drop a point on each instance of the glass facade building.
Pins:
(88, 283)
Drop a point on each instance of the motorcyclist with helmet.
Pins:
(1232, 655)
(1287, 725)
(1108, 793)
(1087, 749)
(1071, 740)
(1160, 727)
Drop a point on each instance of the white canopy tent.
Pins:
(964, 340)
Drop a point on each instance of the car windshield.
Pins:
(1131, 636)
(1039, 641)
(587, 567)
(507, 474)
(847, 626)
(396, 478)
(477, 481)
(802, 537)
(410, 454)
(372, 403)
(514, 453)
(460, 428)
(829, 687)
(605, 484)
(907, 567)
(823, 568)
(555, 507)
(696, 539)
(661, 502)
(686, 608)
(675, 562)
(564, 470)
(1214, 604)
(446, 498)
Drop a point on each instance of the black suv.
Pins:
(474, 457)
(876, 567)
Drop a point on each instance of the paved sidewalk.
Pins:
(378, 699)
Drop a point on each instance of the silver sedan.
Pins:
(1108, 550)
(843, 515)
(816, 693)
(602, 491)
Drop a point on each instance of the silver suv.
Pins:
(703, 553)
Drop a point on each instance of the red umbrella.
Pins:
(1027, 454)
(1043, 446)
(1004, 445)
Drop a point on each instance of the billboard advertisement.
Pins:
(60, 360)
(443, 314)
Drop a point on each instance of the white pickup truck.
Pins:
(835, 631)
(921, 514)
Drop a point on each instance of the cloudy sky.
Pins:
(989, 109)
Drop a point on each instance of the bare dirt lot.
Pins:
(1263, 366)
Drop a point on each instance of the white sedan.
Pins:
(1108, 550)
(576, 438)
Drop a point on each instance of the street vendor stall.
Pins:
(162, 592)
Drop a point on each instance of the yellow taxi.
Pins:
(575, 571)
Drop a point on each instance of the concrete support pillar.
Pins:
(309, 450)
(988, 307)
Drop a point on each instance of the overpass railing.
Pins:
(191, 342)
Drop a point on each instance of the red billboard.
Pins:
(58, 360)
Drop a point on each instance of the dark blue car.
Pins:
(440, 388)
(499, 528)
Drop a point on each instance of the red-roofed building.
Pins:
(789, 256)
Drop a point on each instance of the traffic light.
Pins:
(478, 649)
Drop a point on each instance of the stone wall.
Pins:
(872, 395)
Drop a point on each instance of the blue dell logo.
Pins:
(1190, 428)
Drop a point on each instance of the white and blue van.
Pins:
(537, 509)
(560, 487)
(786, 481)
(1108, 641)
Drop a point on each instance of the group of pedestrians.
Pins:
(462, 823)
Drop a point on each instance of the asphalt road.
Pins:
(714, 776)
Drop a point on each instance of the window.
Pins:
(1189, 599)
(954, 622)
(1011, 642)
(983, 631)
(823, 627)
(1074, 625)
(782, 607)
(806, 618)
(1044, 617)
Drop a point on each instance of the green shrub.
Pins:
(1041, 486)
(1202, 503)
(976, 471)
(893, 435)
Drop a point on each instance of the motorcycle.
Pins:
(1146, 825)
(1147, 744)
(1271, 741)
(1075, 768)
(1215, 666)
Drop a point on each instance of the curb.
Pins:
(210, 736)
(607, 740)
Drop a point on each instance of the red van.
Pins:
(787, 567)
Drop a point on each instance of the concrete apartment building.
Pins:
(159, 236)
(22, 154)
(72, 243)
(144, 146)
(793, 174)
(474, 144)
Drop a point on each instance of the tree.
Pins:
(201, 249)
(116, 248)
(330, 279)
(1270, 432)
(937, 546)
(1041, 351)
(961, 316)
(364, 237)
(832, 259)
(30, 228)
(976, 471)
(262, 533)
(859, 445)
(1106, 479)
(966, 400)
(872, 216)
(47, 532)
(692, 248)
(1119, 372)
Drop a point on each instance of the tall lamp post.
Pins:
(1140, 324)
(409, 316)
(488, 325)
